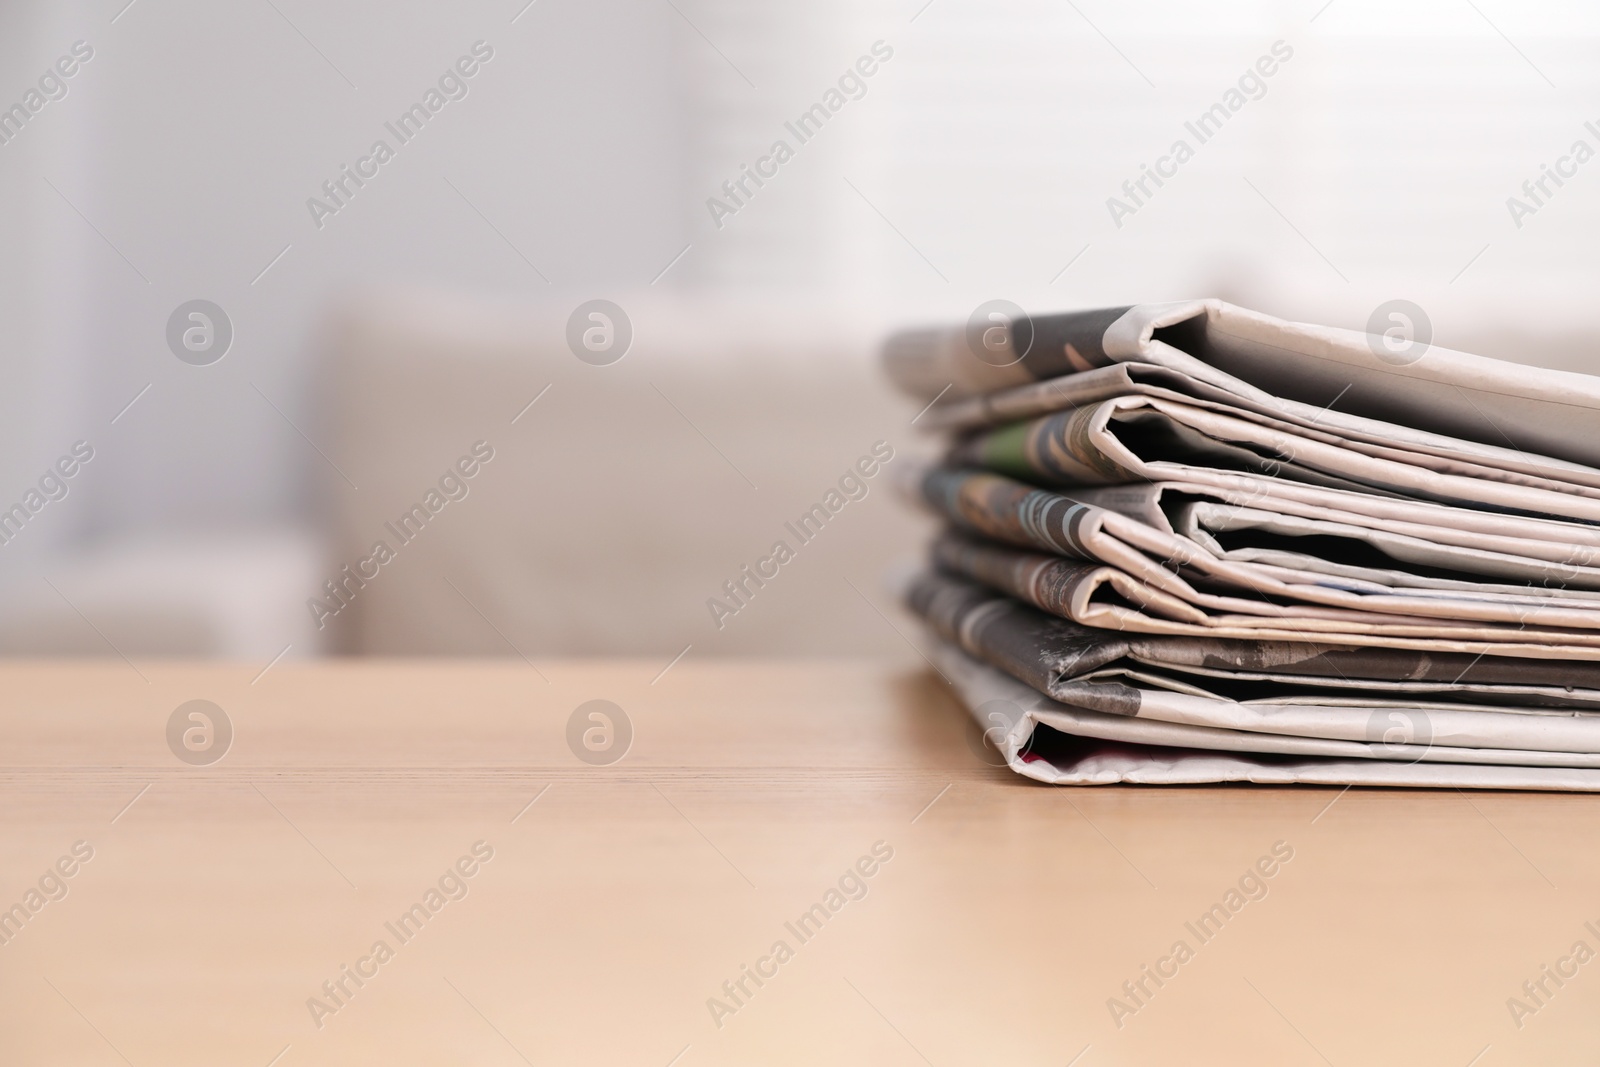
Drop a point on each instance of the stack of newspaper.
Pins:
(1193, 543)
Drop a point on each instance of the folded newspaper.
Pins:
(1193, 543)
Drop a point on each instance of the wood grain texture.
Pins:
(222, 897)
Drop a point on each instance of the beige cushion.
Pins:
(607, 518)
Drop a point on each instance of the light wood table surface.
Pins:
(219, 898)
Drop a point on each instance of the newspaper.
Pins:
(1194, 526)
(1314, 375)
(1063, 745)
(1140, 438)
(1057, 656)
(1441, 728)
(1125, 574)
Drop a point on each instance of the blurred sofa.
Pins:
(213, 594)
(624, 499)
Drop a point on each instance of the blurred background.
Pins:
(378, 338)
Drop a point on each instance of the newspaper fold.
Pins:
(1139, 438)
(1182, 574)
(1435, 730)
(1055, 655)
(1274, 365)
(1062, 745)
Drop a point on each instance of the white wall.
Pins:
(43, 293)
(214, 124)
(592, 141)
(1390, 141)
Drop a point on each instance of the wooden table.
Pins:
(620, 898)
